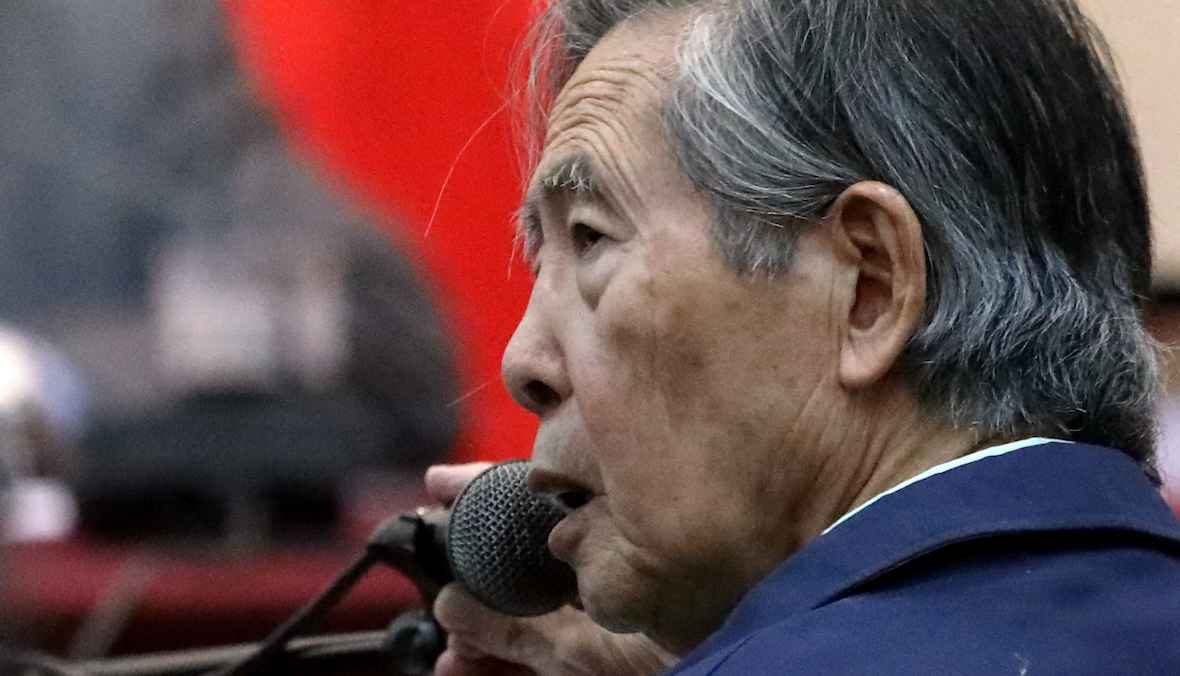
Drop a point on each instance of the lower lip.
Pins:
(568, 534)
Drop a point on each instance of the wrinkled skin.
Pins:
(700, 425)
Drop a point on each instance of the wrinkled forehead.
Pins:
(627, 74)
(605, 120)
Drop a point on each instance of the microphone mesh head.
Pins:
(497, 545)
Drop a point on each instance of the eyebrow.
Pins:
(572, 178)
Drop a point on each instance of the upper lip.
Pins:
(566, 492)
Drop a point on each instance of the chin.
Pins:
(613, 618)
(613, 601)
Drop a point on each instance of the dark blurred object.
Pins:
(248, 466)
(248, 338)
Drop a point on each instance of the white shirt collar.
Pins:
(989, 452)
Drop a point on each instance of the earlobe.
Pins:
(881, 238)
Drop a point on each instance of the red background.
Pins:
(403, 105)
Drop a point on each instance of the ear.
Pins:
(880, 238)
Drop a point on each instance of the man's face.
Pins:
(683, 406)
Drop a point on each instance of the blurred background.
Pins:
(256, 273)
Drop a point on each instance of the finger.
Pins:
(461, 615)
(445, 482)
(464, 649)
(565, 641)
(452, 664)
(475, 629)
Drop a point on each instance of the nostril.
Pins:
(541, 394)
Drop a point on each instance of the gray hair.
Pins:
(1001, 123)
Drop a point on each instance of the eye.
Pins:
(584, 237)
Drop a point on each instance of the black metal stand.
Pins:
(408, 647)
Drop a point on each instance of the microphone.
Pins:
(493, 541)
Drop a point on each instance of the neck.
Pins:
(873, 442)
(902, 441)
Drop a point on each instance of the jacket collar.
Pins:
(1053, 486)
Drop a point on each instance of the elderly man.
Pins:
(835, 346)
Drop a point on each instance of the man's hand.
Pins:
(563, 643)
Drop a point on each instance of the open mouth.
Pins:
(568, 497)
(567, 501)
(564, 493)
(571, 500)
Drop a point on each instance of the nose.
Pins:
(533, 367)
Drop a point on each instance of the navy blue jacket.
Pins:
(1055, 559)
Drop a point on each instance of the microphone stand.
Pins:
(319, 654)
(408, 647)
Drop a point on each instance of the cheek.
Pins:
(696, 385)
(642, 358)
(658, 344)
(653, 325)
(666, 361)
(649, 399)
